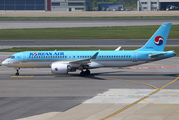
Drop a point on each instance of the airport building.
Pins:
(70, 5)
(155, 5)
(22, 5)
(110, 6)
(46, 5)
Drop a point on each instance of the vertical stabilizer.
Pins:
(158, 40)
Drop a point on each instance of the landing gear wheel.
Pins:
(87, 72)
(82, 73)
(17, 73)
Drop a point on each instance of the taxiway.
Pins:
(21, 24)
(37, 94)
(107, 94)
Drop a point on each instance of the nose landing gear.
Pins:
(17, 73)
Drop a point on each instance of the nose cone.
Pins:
(5, 63)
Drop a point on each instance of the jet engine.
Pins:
(60, 68)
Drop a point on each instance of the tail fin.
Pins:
(158, 40)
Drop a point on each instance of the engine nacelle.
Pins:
(60, 68)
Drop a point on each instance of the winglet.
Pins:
(117, 49)
(95, 55)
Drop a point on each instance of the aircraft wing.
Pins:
(85, 61)
(157, 55)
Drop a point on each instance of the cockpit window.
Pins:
(12, 57)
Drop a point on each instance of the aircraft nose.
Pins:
(5, 62)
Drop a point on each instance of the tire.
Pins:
(17, 74)
(82, 73)
(87, 72)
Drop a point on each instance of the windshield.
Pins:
(12, 57)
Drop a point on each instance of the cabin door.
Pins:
(134, 56)
(24, 57)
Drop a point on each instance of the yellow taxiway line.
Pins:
(139, 99)
(23, 76)
(160, 104)
(131, 81)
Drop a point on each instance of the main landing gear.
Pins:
(17, 73)
(84, 73)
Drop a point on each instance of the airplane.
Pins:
(62, 62)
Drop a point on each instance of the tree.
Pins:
(114, 1)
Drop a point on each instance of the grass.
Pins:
(129, 32)
(20, 49)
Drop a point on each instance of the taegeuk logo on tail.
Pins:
(159, 40)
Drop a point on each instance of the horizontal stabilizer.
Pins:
(157, 55)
